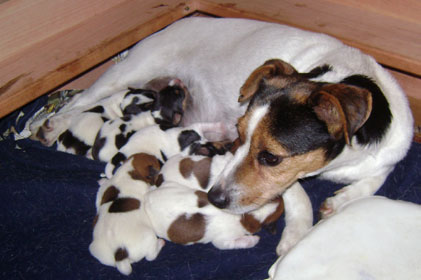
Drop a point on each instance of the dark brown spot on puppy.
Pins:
(200, 169)
(125, 204)
(202, 199)
(110, 194)
(146, 168)
(187, 229)
(120, 254)
(159, 180)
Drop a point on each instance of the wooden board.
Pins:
(46, 43)
(52, 57)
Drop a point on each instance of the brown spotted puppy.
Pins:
(184, 215)
(122, 232)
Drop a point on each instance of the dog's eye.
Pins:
(268, 159)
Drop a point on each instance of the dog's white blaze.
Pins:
(243, 150)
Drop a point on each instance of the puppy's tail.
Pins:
(124, 266)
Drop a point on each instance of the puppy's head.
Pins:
(145, 167)
(292, 127)
(171, 103)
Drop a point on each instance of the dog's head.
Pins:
(292, 127)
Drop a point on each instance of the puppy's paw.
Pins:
(332, 204)
(244, 242)
(291, 236)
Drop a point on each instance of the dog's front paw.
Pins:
(332, 204)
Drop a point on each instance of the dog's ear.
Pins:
(274, 72)
(343, 108)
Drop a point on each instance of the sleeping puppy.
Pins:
(351, 124)
(166, 108)
(183, 215)
(122, 232)
(163, 143)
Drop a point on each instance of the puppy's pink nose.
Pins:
(218, 197)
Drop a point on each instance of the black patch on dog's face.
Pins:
(70, 141)
(98, 109)
(187, 137)
(297, 127)
(380, 117)
(97, 147)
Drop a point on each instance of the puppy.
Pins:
(369, 238)
(166, 109)
(83, 128)
(183, 215)
(122, 232)
(352, 123)
(162, 143)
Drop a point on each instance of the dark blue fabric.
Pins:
(47, 209)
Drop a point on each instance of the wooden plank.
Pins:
(411, 85)
(45, 65)
(393, 41)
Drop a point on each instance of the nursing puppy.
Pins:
(163, 143)
(83, 128)
(216, 56)
(122, 232)
(166, 108)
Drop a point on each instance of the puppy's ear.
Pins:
(343, 108)
(274, 72)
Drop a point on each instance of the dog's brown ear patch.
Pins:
(124, 204)
(273, 71)
(110, 194)
(145, 168)
(343, 108)
(187, 229)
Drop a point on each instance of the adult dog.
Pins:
(349, 123)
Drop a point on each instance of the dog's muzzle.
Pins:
(218, 197)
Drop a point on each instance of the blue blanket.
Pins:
(47, 209)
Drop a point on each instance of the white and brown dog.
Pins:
(349, 123)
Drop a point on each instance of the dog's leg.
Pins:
(298, 217)
(362, 188)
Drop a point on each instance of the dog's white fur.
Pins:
(215, 56)
(370, 238)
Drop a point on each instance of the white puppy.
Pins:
(122, 232)
(371, 238)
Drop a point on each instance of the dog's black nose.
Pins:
(218, 197)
